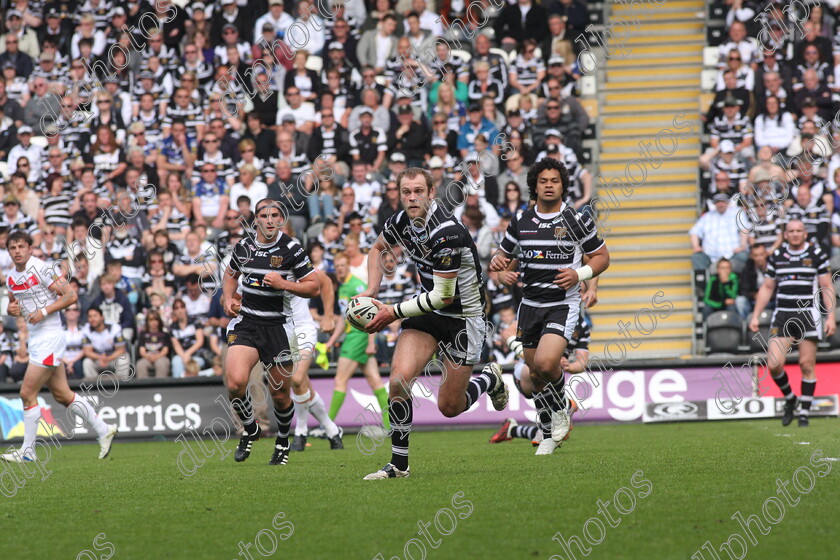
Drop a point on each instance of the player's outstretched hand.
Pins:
(367, 293)
(499, 262)
(383, 318)
(754, 323)
(830, 325)
(566, 278)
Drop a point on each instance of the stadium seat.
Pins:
(466, 56)
(723, 332)
(715, 34)
(315, 63)
(590, 131)
(501, 52)
(40, 141)
(758, 341)
(588, 85)
(716, 10)
(710, 56)
(708, 80)
(596, 14)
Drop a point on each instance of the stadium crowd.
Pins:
(773, 154)
(214, 106)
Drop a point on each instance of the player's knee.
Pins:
(398, 387)
(236, 386)
(544, 368)
(450, 409)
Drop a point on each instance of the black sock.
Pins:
(808, 387)
(284, 423)
(784, 385)
(245, 411)
(541, 401)
(557, 400)
(526, 432)
(478, 385)
(400, 415)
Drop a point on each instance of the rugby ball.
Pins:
(360, 311)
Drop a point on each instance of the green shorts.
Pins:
(354, 346)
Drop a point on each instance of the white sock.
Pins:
(319, 411)
(301, 413)
(80, 408)
(30, 428)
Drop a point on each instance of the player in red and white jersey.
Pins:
(38, 292)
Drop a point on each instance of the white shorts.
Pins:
(306, 336)
(47, 349)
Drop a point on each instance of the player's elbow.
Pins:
(448, 301)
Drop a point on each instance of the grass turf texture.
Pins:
(702, 473)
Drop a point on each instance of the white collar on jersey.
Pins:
(552, 215)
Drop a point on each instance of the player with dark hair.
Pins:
(274, 267)
(551, 239)
(447, 317)
(798, 273)
(38, 293)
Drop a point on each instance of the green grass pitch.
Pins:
(700, 474)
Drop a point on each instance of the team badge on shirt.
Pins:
(807, 262)
(276, 262)
(559, 232)
(231, 338)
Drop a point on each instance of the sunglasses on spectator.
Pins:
(734, 58)
(440, 122)
(209, 170)
(552, 107)
(211, 142)
(247, 151)
(391, 189)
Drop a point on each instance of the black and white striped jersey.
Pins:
(396, 289)
(545, 244)
(765, 231)
(796, 275)
(192, 115)
(254, 260)
(57, 208)
(442, 245)
(736, 130)
(580, 338)
(814, 217)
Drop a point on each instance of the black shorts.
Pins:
(275, 342)
(799, 325)
(537, 321)
(460, 339)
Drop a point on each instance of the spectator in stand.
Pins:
(812, 88)
(744, 75)
(812, 213)
(730, 89)
(157, 278)
(513, 205)
(746, 47)
(104, 347)
(114, 306)
(187, 340)
(731, 126)
(211, 195)
(752, 276)
(248, 186)
(153, 347)
(774, 127)
(721, 289)
(717, 234)
(197, 302)
(521, 21)
(734, 167)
